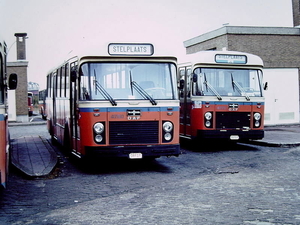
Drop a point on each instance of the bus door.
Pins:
(184, 95)
(74, 113)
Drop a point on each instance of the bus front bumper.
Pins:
(231, 134)
(144, 151)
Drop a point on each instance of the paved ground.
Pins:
(239, 184)
(35, 157)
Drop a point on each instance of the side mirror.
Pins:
(266, 86)
(12, 81)
(181, 84)
(195, 78)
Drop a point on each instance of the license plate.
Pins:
(135, 155)
(234, 137)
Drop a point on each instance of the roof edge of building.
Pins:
(242, 30)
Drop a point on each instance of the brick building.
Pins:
(18, 97)
(279, 47)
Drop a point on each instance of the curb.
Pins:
(27, 163)
(269, 144)
(15, 124)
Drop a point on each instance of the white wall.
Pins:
(282, 96)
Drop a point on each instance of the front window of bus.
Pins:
(119, 80)
(227, 82)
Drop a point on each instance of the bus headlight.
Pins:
(208, 119)
(257, 119)
(207, 123)
(98, 138)
(99, 132)
(257, 116)
(256, 124)
(167, 131)
(208, 115)
(98, 128)
(168, 136)
(168, 126)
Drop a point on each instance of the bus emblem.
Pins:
(233, 107)
(133, 114)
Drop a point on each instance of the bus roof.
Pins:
(222, 58)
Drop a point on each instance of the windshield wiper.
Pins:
(103, 92)
(240, 88)
(209, 86)
(141, 91)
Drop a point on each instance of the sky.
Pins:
(56, 27)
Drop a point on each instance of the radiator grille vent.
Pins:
(232, 120)
(133, 132)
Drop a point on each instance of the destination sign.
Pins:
(130, 49)
(234, 59)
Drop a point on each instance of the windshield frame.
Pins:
(227, 82)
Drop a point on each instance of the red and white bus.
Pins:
(121, 103)
(42, 104)
(30, 103)
(221, 96)
(5, 83)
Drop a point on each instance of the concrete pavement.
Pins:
(33, 155)
(280, 136)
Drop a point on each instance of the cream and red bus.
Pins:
(120, 102)
(221, 96)
(42, 104)
(5, 83)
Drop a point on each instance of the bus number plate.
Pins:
(135, 155)
(234, 137)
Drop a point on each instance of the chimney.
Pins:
(21, 46)
(296, 12)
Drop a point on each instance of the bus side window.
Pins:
(181, 82)
(54, 84)
(188, 86)
(62, 84)
(59, 82)
(84, 82)
(67, 81)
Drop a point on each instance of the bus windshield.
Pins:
(128, 80)
(227, 82)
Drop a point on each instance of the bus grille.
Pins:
(232, 120)
(133, 132)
